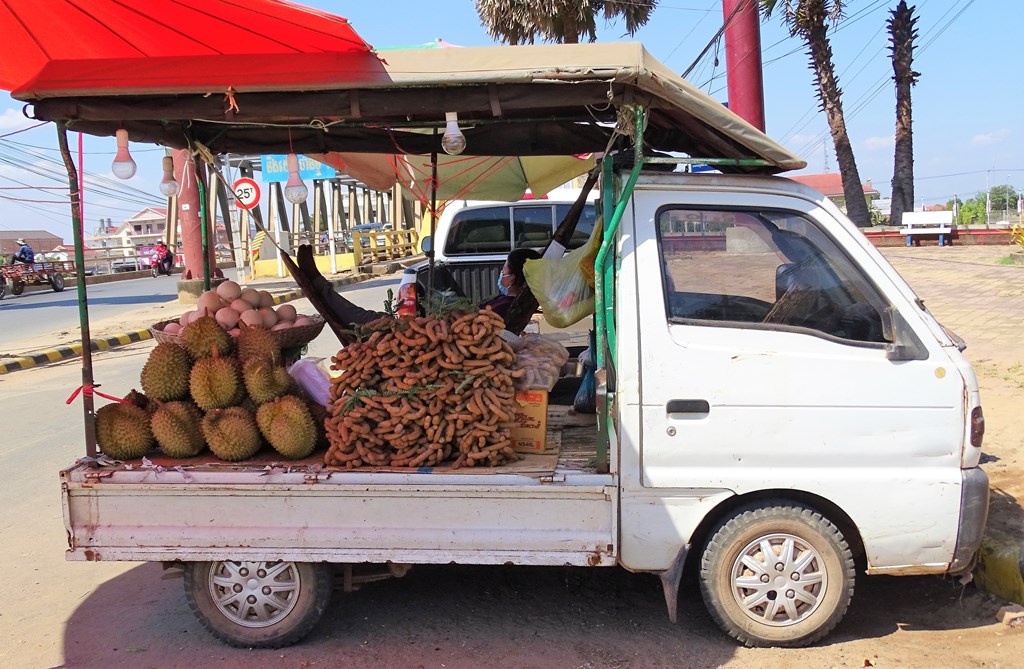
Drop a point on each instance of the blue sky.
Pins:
(967, 106)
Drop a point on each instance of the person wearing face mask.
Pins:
(511, 282)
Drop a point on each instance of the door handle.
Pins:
(688, 406)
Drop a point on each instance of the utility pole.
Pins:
(743, 60)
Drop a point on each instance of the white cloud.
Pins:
(987, 138)
(874, 143)
(13, 119)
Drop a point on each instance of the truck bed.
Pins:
(547, 508)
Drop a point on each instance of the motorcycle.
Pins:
(161, 263)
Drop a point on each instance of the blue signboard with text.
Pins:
(275, 168)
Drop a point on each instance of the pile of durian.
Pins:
(228, 394)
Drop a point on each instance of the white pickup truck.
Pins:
(777, 409)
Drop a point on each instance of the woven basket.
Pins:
(287, 338)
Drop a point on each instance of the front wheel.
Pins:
(258, 604)
(17, 287)
(57, 282)
(3, 287)
(777, 576)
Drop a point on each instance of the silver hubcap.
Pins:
(254, 594)
(778, 579)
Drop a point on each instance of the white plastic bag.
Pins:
(310, 375)
(564, 286)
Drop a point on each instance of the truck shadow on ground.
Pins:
(469, 616)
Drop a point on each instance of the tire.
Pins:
(813, 576)
(3, 287)
(302, 589)
(154, 271)
(17, 287)
(57, 282)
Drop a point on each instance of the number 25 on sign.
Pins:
(247, 193)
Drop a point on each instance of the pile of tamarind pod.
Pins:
(540, 360)
(421, 391)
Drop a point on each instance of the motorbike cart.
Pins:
(23, 274)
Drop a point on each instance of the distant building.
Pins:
(40, 241)
(143, 229)
(831, 186)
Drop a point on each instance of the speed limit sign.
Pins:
(247, 193)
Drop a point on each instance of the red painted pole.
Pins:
(188, 214)
(743, 60)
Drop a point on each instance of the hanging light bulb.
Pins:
(123, 166)
(453, 142)
(168, 186)
(294, 191)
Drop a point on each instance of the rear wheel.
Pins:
(3, 287)
(258, 604)
(777, 576)
(57, 282)
(17, 287)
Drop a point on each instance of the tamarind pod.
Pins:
(480, 455)
(449, 433)
(459, 461)
(443, 330)
(373, 339)
(450, 365)
(463, 320)
(426, 357)
(451, 352)
(418, 460)
(517, 373)
(485, 350)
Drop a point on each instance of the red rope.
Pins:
(89, 391)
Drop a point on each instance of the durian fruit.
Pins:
(231, 433)
(256, 342)
(215, 382)
(138, 399)
(265, 381)
(176, 428)
(165, 374)
(319, 414)
(122, 431)
(203, 336)
(288, 426)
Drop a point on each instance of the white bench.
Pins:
(927, 223)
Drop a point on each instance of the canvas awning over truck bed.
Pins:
(523, 100)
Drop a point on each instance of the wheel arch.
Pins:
(729, 506)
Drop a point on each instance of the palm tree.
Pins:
(809, 20)
(901, 35)
(565, 21)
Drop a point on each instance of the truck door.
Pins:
(764, 367)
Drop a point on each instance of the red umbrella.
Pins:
(64, 46)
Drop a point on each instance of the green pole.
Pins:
(83, 303)
(203, 226)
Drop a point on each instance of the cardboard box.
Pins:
(530, 422)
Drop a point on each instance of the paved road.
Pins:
(39, 311)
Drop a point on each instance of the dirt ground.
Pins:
(132, 616)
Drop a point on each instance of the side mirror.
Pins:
(427, 244)
(905, 343)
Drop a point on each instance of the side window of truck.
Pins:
(763, 268)
(584, 227)
(479, 231)
(531, 226)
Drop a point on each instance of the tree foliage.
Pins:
(564, 21)
(1002, 200)
(809, 19)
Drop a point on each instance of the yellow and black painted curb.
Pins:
(1000, 568)
(59, 353)
(56, 354)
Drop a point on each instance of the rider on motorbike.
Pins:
(163, 257)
